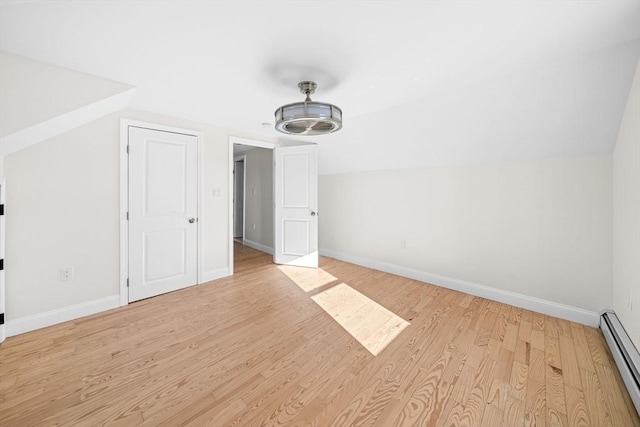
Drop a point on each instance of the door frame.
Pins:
(242, 141)
(124, 198)
(3, 238)
(243, 159)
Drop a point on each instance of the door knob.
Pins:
(313, 213)
(192, 220)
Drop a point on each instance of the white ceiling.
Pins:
(420, 82)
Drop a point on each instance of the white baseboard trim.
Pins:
(215, 274)
(53, 317)
(258, 246)
(539, 305)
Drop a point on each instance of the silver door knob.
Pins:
(313, 213)
(192, 220)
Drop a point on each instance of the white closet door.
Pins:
(163, 206)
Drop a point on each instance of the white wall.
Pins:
(538, 228)
(62, 195)
(626, 216)
(63, 209)
(259, 197)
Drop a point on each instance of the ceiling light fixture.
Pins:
(308, 117)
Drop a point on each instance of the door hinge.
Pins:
(127, 282)
(127, 149)
(127, 216)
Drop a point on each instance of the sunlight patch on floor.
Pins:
(367, 321)
(307, 278)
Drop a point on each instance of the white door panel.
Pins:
(162, 212)
(165, 254)
(296, 201)
(295, 180)
(295, 239)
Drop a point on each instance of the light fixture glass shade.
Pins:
(308, 117)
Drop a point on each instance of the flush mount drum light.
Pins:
(308, 117)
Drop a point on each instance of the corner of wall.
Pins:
(626, 216)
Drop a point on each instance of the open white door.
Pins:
(163, 206)
(296, 205)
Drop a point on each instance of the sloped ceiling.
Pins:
(33, 92)
(39, 101)
(420, 83)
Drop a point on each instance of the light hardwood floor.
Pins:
(256, 349)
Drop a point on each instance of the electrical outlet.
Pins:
(66, 273)
(403, 244)
(217, 192)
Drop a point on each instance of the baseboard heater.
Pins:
(625, 354)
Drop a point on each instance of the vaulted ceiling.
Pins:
(421, 83)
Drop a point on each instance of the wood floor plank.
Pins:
(570, 367)
(552, 352)
(513, 413)
(477, 398)
(491, 417)
(519, 380)
(577, 414)
(555, 399)
(536, 404)
(594, 398)
(537, 366)
(255, 348)
(621, 414)
(597, 346)
(538, 321)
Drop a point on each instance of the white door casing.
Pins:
(296, 201)
(163, 212)
(238, 197)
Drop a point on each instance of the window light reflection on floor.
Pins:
(367, 321)
(308, 279)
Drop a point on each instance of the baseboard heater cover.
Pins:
(625, 354)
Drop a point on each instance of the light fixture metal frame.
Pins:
(298, 112)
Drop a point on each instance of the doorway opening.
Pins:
(251, 187)
(239, 178)
(280, 201)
